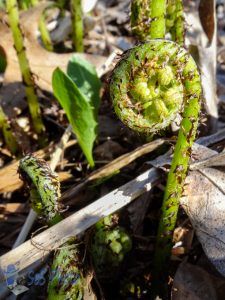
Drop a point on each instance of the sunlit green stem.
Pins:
(148, 18)
(177, 175)
(157, 28)
(77, 25)
(45, 36)
(25, 69)
(34, 2)
(148, 87)
(7, 133)
(175, 20)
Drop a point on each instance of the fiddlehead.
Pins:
(44, 187)
(109, 246)
(65, 279)
(148, 87)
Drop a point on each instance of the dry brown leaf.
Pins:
(9, 208)
(108, 150)
(202, 36)
(204, 203)
(194, 283)
(10, 180)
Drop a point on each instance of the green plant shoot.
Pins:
(66, 280)
(77, 25)
(79, 97)
(148, 87)
(148, 19)
(27, 77)
(7, 133)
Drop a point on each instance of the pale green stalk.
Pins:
(34, 2)
(45, 36)
(7, 133)
(27, 77)
(77, 25)
(148, 18)
(175, 20)
(149, 86)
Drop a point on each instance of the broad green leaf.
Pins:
(78, 110)
(84, 74)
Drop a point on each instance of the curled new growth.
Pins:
(44, 187)
(151, 84)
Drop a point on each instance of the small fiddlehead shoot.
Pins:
(110, 244)
(66, 279)
(44, 187)
(7, 133)
(149, 86)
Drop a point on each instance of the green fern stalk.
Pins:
(34, 2)
(149, 86)
(28, 81)
(152, 19)
(77, 25)
(175, 20)
(66, 281)
(148, 19)
(45, 36)
(7, 133)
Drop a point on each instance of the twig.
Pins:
(112, 167)
(55, 236)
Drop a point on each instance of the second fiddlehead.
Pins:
(150, 84)
(44, 187)
(66, 280)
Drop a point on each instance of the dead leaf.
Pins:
(108, 150)
(206, 13)
(194, 283)
(204, 203)
(202, 36)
